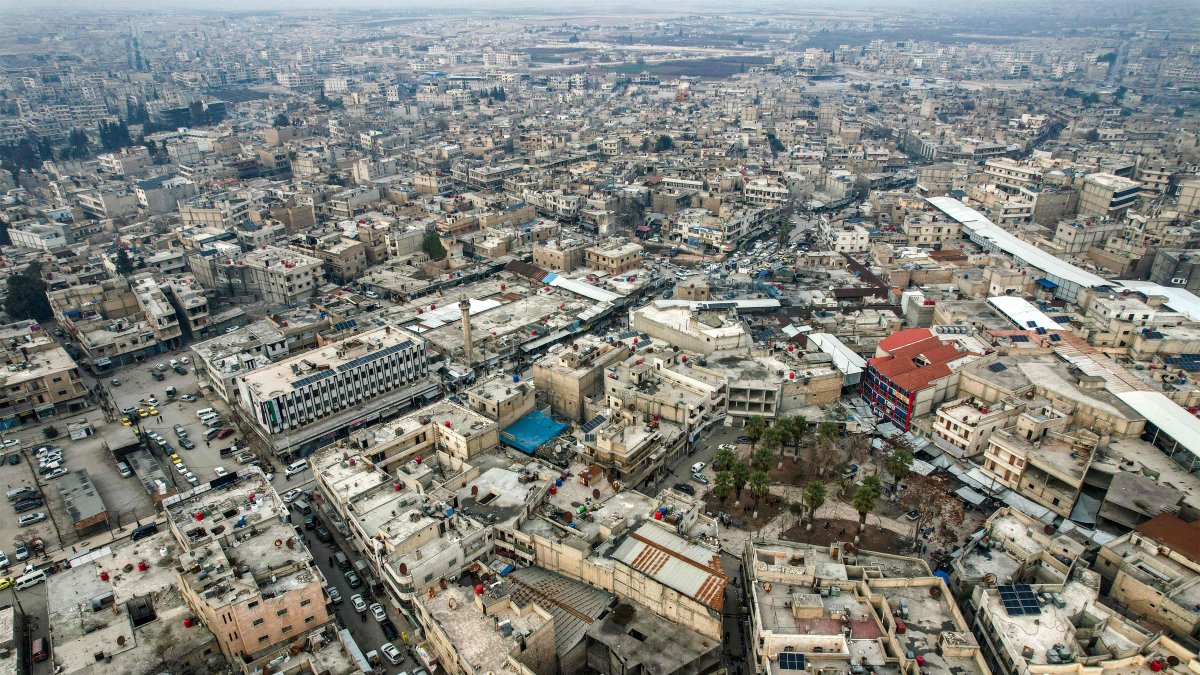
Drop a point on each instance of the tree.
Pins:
(645, 144)
(927, 497)
(741, 474)
(763, 458)
(281, 120)
(760, 485)
(827, 435)
(864, 501)
(27, 295)
(124, 262)
(1091, 136)
(773, 439)
(432, 246)
(50, 432)
(574, 38)
(754, 429)
(814, 498)
(899, 465)
(795, 428)
(723, 485)
(664, 142)
(724, 459)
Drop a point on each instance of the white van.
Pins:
(203, 412)
(124, 469)
(32, 579)
(295, 468)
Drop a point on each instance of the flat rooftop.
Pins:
(476, 636)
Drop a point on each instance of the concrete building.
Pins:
(277, 275)
(345, 259)
(570, 375)
(1155, 572)
(263, 596)
(501, 400)
(696, 331)
(614, 257)
(131, 161)
(842, 236)
(157, 309)
(40, 380)
(559, 255)
(1107, 196)
(220, 360)
(1040, 464)
(83, 502)
(300, 390)
(963, 426)
(816, 609)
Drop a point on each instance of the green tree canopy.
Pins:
(760, 485)
(432, 246)
(124, 263)
(814, 498)
(741, 473)
(899, 464)
(27, 295)
(664, 142)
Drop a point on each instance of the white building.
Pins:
(308, 387)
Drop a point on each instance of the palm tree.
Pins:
(864, 500)
(797, 429)
(723, 485)
(899, 465)
(754, 429)
(797, 511)
(827, 434)
(814, 498)
(724, 459)
(762, 459)
(760, 485)
(741, 473)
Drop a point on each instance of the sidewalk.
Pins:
(838, 509)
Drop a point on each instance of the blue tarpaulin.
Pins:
(531, 432)
(1047, 284)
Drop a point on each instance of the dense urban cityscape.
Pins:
(583, 339)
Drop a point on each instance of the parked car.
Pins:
(14, 458)
(157, 375)
(31, 518)
(20, 551)
(353, 579)
(378, 613)
(224, 433)
(28, 505)
(360, 605)
(745, 439)
(57, 473)
(180, 369)
(10, 442)
(173, 362)
(187, 397)
(335, 596)
(187, 443)
(700, 478)
(391, 653)
(684, 488)
(160, 367)
(389, 629)
(220, 471)
(115, 382)
(697, 467)
(324, 534)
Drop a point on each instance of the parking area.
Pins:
(136, 388)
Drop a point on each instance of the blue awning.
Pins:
(1047, 284)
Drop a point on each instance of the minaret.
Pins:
(465, 306)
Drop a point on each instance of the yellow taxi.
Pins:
(5, 582)
(153, 412)
(176, 459)
(126, 422)
(141, 412)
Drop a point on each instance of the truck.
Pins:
(373, 659)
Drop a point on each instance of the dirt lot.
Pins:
(825, 532)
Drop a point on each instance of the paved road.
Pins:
(368, 633)
(33, 602)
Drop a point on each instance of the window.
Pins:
(286, 629)
(309, 619)
(252, 605)
(282, 612)
(305, 603)
(262, 639)
(258, 622)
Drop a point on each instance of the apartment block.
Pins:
(570, 375)
(1155, 572)
(277, 275)
(245, 570)
(1107, 196)
(912, 372)
(559, 255)
(40, 379)
(222, 359)
(614, 258)
(817, 608)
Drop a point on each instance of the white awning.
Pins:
(1182, 426)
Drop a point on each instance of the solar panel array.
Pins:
(1040, 331)
(304, 381)
(1188, 362)
(344, 325)
(1061, 319)
(1020, 600)
(349, 365)
(1055, 337)
(1153, 335)
(593, 423)
(791, 661)
(997, 367)
(1018, 338)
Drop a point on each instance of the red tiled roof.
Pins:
(901, 366)
(1174, 533)
(904, 337)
